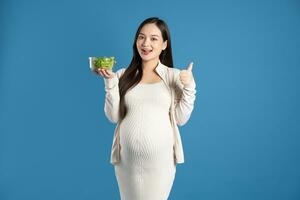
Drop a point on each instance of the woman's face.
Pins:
(150, 42)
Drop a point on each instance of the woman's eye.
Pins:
(142, 37)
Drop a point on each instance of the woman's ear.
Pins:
(165, 44)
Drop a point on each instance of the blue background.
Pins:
(241, 143)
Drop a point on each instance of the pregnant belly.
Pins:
(146, 138)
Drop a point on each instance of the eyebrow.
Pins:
(151, 35)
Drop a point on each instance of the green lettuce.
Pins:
(105, 62)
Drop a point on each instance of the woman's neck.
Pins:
(149, 66)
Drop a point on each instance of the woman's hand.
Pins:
(106, 73)
(186, 75)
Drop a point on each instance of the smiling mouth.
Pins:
(146, 52)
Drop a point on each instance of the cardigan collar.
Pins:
(162, 71)
(160, 68)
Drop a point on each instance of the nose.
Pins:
(145, 42)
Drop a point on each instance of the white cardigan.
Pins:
(183, 98)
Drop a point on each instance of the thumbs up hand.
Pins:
(186, 76)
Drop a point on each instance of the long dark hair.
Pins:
(134, 72)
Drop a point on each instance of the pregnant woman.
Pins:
(148, 100)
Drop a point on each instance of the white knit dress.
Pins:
(147, 169)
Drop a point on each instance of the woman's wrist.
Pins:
(109, 82)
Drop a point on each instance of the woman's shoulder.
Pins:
(174, 71)
(120, 71)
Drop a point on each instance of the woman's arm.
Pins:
(185, 96)
(112, 97)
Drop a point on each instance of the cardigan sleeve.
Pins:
(184, 99)
(112, 97)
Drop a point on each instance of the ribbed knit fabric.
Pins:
(147, 169)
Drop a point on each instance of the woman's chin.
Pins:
(147, 58)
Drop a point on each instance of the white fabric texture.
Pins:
(182, 105)
(147, 168)
(147, 144)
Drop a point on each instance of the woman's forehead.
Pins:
(151, 30)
